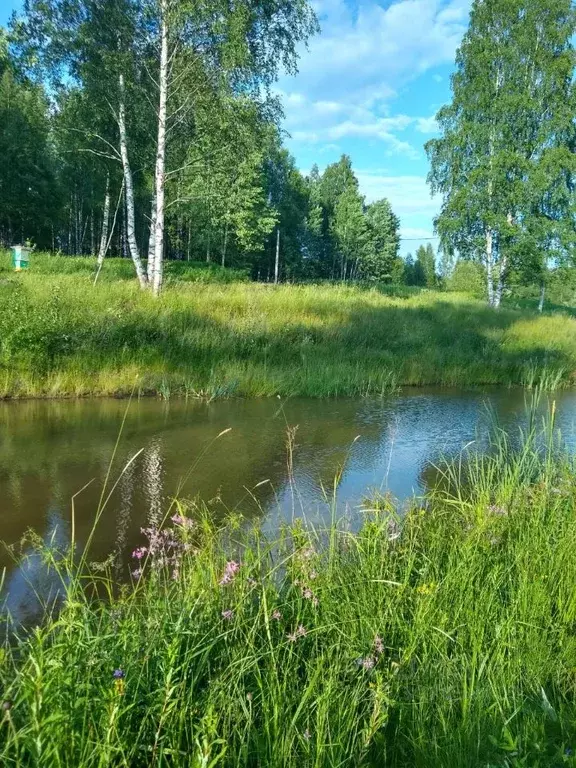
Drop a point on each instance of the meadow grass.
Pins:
(62, 336)
(440, 638)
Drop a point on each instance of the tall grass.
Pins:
(62, 336)
(443, 638)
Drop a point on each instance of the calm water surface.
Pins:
(50, 450)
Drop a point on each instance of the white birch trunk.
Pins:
(277, 261)
(490, 266)
(105, 224)
(159, 176)
(500, 285)
(129, 188)
(152, 242)
(502, 273)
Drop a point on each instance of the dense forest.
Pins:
(150, 130)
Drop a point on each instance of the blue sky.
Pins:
(369, 85)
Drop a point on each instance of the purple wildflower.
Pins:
(183, 522)
(230, 572)
(228, 615)
(119, 674)
(137, 574)
(139, 553)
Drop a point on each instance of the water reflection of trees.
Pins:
(49, 450)
(52, 449)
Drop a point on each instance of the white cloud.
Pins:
(365, 54)
(408, 194)
(427, 124)
(367, 51)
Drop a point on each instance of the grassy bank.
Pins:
(442, 640)
(60, 335)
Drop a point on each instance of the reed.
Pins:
(442, 637)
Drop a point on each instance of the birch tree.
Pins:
(239, 48)
(505, 151)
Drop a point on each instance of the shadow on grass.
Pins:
(332, 350)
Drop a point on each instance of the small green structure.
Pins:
(20, 257)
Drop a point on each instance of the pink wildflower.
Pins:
(228, 615)
(230, 572)
(183, 522)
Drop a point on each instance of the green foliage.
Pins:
(467, 277)
(504, 164)
(379, 261)
(425, 267)
(350, 231)
(442, 637)
(29, 194)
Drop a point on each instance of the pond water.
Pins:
(342, 450)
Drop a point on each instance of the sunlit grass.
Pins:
(63, 336)
(443, 638)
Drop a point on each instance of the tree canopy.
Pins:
(504, 163)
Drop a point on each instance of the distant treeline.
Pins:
(150, 130)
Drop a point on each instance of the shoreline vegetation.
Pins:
(439, 638)
(214, 334)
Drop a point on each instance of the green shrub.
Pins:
(467, 277)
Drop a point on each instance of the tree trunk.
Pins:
(161, 152)
(152, 241)
(129, 188)
(542, 296)
(490, 266)
(105, 223)
(500, 285)
(277, 261)
(92, 246)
